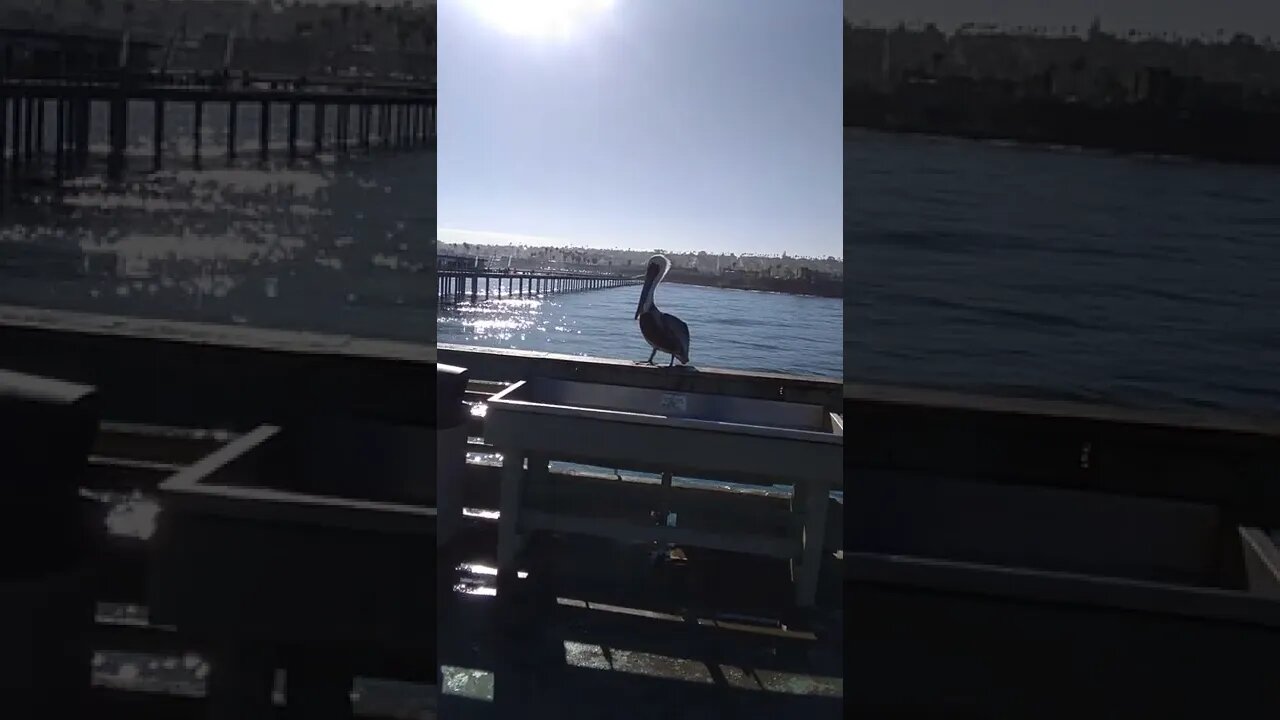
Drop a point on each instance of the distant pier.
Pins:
(51, 83)
(455, 286)
(50, 117)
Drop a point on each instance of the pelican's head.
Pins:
(653, 274)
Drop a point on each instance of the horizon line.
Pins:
(547, 241)
(916, 23)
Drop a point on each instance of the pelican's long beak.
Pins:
(644, 299)
(646, 292)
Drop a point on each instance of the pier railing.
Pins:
(455, 286)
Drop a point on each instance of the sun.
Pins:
(559, 19)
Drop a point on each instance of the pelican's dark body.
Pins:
(663, 331)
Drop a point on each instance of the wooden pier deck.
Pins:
(993, 551)
(609, 629)
(456, 286)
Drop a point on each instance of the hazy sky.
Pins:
(676, 124)
(1260, 17)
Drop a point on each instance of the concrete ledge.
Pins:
(513, 365)
(198, 375)
(864, 395)
(932, 576)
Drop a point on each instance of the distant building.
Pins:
(32, 52)
(460, 262)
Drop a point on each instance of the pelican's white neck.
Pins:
(646, 296)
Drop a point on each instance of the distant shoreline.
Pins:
(823, 288)
(802, 281)
(1216, 135)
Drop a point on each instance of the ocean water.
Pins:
(339, 244)
(1020, 271)
(734, 329)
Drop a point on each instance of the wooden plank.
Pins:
(201, 489)
(689, 452)
(111, 703)
(1096, 449)
(1261, 562)
(125, 579)
(140, 638)
(607, 494)
(168, 641)
(922, 653)
(631, 532)
(1058, 588)
(120, 475)
(861, 395)
(198, 375)
(159, 444)
(513, 365)
(701, 512)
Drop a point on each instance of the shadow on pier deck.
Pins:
(603, 630)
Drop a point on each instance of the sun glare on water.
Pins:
(551, 19)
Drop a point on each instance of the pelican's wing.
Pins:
(678, 331)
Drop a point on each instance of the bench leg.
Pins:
(509, 508)
(797, 506)
(241, 683)
(664, 511)
(318, 690)
(539, 469)
(813, 504)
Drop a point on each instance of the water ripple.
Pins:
(1069, 275)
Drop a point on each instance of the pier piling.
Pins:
(157, 138)
(317, 143)
(59, 136)
(264, 129)
(40, 140)
(197, 127)
(293, 129)
(4, 134)
(233, 117)
(118, 132)
(337, 128)
(83, 109)
(28, 145)
(16, 157)
(454, 286)
(365, 116)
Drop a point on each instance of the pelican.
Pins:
(663, 331)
